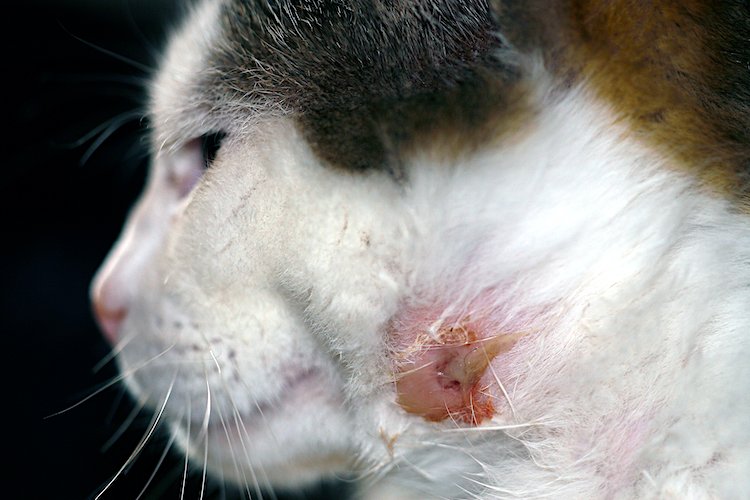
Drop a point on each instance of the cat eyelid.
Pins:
(189, 161)
(184, 167)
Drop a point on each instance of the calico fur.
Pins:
(392, 170)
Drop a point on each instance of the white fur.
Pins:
(272, 285)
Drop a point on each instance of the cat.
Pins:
(447, 249)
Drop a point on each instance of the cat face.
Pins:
(419, 245)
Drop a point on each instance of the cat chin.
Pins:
(247, 454)
(295, 440)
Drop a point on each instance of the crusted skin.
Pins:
(443, 381)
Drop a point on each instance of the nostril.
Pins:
(109, 320)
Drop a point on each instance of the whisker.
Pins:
(207, 414)
(109, 384)
(124, 425)
(112, 382)
(240, 472)
(243, 429)
(115, 405)
(113, 126)
(134, 81)
(222, 486)
(112, 354)
(471, 405)
(240, 431)
(148, 44)
(159, 463)
(205, 467)
(135, 64)
(204, 432)
(236, 415)
(502, 388)
(152, 427)
(121, 118)
(187, 449)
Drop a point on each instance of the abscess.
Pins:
(443, 378)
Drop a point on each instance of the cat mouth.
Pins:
(272, 436)
(227, 423)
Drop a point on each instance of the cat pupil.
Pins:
(210, 144)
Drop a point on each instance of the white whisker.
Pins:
(187, 450)
(112, 382)
(241, 429)
(207, 414)
(135, 64)
(121, 393)
(240, 472)
(137, 408)
(152, 427)
(204, 432)
(121, 118)
(205, 466)
(112, 354)
(114, 126)
(168, 447)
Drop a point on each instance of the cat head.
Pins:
(388, 239)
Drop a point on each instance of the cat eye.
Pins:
(191, 160)
(210, 144)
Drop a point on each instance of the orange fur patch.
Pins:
(675, 71)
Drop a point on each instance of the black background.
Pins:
(75, 159)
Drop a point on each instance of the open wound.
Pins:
(442, 376)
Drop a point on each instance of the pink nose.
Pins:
(109, 321)
(108, 311)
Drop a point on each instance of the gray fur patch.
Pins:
(364, 78)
